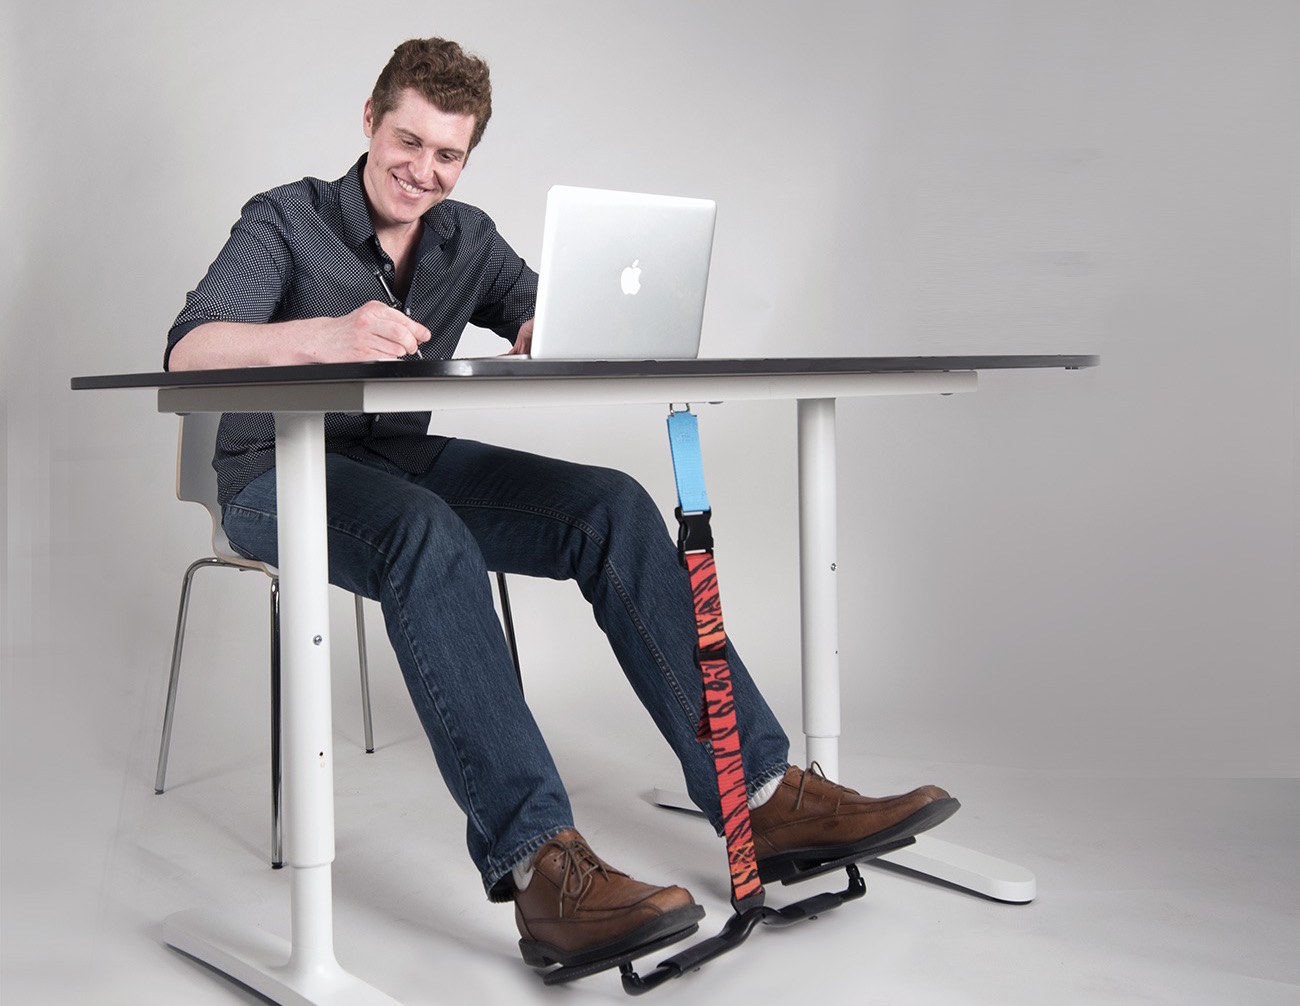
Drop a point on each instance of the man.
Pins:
(382, 265)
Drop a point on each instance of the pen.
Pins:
(393, 302)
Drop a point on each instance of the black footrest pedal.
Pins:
(572, 972)
(794, 869)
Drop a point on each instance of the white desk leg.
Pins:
(818, 602)
(303, 971)
(818, 591)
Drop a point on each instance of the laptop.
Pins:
(622, 276)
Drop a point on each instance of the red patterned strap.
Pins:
(718, 726)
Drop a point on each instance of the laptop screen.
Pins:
(623, 275)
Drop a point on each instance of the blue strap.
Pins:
(688, 466)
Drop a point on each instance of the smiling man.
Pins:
(380, 265)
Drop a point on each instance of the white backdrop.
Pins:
(1089, 572)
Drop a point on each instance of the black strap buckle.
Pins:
(693, 532)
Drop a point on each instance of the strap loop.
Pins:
(688, 466)
(718, 722)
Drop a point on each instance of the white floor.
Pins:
(1151, 891)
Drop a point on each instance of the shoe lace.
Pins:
(580, 863)
(803, 781)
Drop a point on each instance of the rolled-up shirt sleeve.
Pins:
(248, 279)
(508, 297)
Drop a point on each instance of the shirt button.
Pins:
(388, 267)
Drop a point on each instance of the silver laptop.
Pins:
(623, 275)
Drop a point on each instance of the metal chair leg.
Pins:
(508, 619)
(365, 676)
(277, 841)
(178, 644)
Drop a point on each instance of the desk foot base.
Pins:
(973, 871)
(261, 961)
(674, 799)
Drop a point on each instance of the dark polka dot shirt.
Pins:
(308, 250)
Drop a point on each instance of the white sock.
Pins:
(765, 792)
(522, 872)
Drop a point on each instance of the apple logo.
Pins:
(631, 278)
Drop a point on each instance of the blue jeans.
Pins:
(422, 545)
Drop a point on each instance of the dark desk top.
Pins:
(518, 368)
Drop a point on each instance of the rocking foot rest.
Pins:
(719, 726)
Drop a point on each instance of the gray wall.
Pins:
(1092, 571)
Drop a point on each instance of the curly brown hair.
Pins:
(443, 74)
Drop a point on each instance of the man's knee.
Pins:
(623, 493)
(622, 504)
(430, 532)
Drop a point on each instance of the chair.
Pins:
(196, 482)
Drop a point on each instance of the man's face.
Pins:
(417, 152)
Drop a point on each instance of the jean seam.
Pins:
(558, 515)
(665, 669)
(434, 697)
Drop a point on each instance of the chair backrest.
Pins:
(196, 481)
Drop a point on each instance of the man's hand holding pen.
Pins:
(374, 331)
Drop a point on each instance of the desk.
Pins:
(303, 971)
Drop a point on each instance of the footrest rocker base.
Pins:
(737, 930)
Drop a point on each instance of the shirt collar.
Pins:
(359, 230)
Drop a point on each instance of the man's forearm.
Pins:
(222, 345)
(373, 331)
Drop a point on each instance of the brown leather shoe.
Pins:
(811, 819)
(577, 909)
